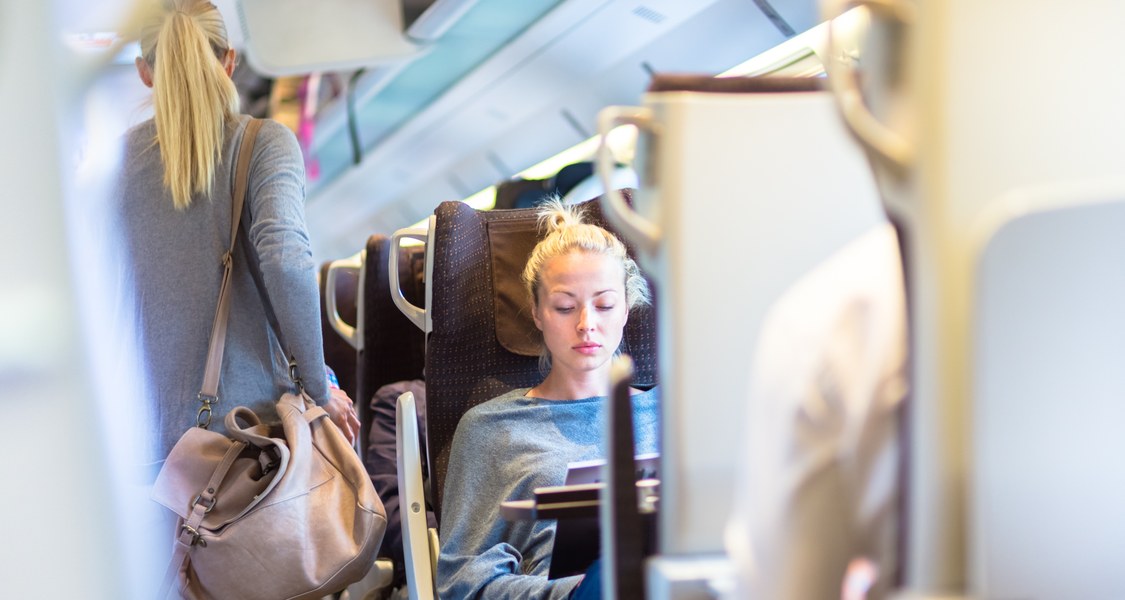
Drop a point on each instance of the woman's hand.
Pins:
(341, 410)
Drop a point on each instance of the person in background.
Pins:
(173, 208)
(382, 465)
(815, 500)
(581, 285)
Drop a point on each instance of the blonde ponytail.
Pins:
(192, 95)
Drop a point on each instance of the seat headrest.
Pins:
(510, 244)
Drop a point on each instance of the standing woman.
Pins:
(174, 208)
(581, 285)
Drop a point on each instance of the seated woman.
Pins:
(582, 285)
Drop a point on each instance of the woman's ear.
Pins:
(229, 61)
(144, 71)
(535, 315)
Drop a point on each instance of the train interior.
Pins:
(953, 164)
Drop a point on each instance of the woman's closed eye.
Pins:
(605, 307)
(564, 309)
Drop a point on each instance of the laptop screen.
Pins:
(577, 539)
(590, 471)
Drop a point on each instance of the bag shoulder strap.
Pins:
(209, 392)
(275, 325)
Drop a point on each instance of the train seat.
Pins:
(1048, 342)
(776, 149)
(389, 350)
(483, 341)
(388, 355)
(391, 361)
(394, 350)
(340, 315)
(752, 182)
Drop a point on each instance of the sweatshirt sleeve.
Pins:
(281, 240)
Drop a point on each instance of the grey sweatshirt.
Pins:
(503, 449)
(171, 269)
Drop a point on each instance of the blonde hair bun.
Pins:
(566, 231)
(556, 216)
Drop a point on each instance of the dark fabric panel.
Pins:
(465, 363)
(733, 85)
(510, 244)
(569, 177)
(529, 193)
(509, 192)
(393, 347)
(906, 244)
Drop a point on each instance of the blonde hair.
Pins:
(566, 233)
(184, 44)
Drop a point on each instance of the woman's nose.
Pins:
(586, 320)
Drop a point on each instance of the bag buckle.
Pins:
(199, 500)
(295, 375)
(203, 417)
(270, 459)
(196, 536)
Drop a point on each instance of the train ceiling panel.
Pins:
(386, 98)
(560, 63)
(519, 103)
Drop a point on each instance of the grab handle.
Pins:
(644, 234)
(352, 335)
(878, 138)
(416, 314)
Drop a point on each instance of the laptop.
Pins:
(590, 471)
(578, 539)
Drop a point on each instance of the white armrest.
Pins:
(353, 335)
(421, 561)
(417, 315)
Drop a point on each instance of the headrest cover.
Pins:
(510, 244)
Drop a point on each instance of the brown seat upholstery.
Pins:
(672, 82)
(483, 341)
(338, 353)
(393, 348)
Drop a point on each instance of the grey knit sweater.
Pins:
(503, 450)
(170, 261)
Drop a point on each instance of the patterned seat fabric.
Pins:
(338, 353)
(394, 349)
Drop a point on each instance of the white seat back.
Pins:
(743, 193)
(1047, 476)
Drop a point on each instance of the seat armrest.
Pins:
(419, 543)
